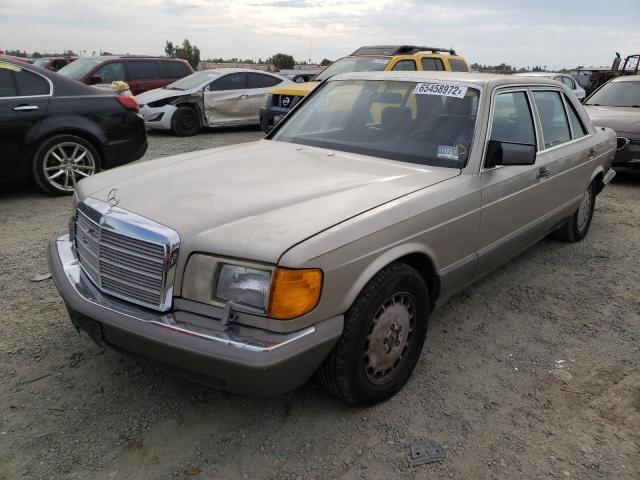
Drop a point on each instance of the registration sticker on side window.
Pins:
(442, 89)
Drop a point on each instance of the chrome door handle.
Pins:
(592, 152)
(243, 96)
(25, 108)
(543, 172)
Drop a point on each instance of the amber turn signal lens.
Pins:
(294, 292)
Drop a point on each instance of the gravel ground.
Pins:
(532, 373)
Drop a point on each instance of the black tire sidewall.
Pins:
(176, 122)
(38, 160)
(406, 280)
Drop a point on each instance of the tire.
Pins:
(576, 228)
(363, 368)
(61, 161)
(185, 122)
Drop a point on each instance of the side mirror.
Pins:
(506, 153)
(94, 79)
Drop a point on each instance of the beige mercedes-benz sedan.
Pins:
(325, 247)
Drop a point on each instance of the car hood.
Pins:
(159, 94)
(255, 201)
(295, 89)
(620, 119)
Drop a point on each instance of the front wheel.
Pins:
(63, 160)
(185, 122)
(384, 331)
(576, 228)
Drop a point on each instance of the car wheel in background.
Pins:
(384, 331)
(185, 122)
(63, 160)
(576, 228)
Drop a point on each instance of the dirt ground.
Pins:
(532, 373)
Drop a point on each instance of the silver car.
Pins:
(568, 80)
(210, 98)
(326, 246)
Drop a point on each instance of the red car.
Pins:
(140, 73)
(53, 63)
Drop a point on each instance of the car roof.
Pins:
(131, 57)
(489, 80)
(235, 70)
(537, 74)
(627, 78)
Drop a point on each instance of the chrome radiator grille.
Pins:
(126, 255)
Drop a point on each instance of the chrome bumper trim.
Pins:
(238, 336)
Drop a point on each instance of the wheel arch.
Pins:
(84, 134)
(597, 178)
(414, 255)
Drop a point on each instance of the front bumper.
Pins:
(268, 115)
(239, 359)
(158, 118)
(628, 157)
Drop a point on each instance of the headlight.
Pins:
(267, 100)
(160, 103)
(243, 285)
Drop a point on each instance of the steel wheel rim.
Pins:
(389, 338)
(584, 209)
(188, 121)
(66, 163)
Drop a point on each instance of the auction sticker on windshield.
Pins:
(441, 89)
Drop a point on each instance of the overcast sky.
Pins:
(517, 32)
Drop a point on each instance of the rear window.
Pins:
(142, 70)
(458, 65)
(174, 69)
(432, 64)
(7, 86)
(31, 84)
(257, 80)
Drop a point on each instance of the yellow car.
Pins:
(366, 59)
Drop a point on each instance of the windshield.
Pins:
(617, 94)
(192, 81)
(78, 69)
(41, 62)
(428, 123)
(353, 64)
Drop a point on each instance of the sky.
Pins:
(521, 33)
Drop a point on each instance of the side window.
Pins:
(257, 80)
(405, 66)
(30, 84)
(458, 65)
(512, 119)
(174, 69)
(142, 70)
(576, 124)
(432, 64)
(7, 85)
(568, 81)
(233, 81)
(111, 72)
(555, 128)
(58, 64)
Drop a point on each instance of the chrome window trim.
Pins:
(128, 224)
(50, 94)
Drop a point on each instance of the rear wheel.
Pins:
(185, 122)
(576, 228)
(384, 331)
(63, 160)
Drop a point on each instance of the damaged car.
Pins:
(211, 98)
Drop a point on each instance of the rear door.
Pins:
(24, 99)
(224, 99)
(143, 75)
(258, 85)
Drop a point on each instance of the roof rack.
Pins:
(399, 50)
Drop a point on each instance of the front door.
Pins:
(24, 98)
(511, 194)
(225, 100)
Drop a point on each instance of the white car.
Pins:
(220, 97)
(568, 80)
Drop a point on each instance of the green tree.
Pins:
(325, 62)
(187, 52)
(282, 61)
(36, 55)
